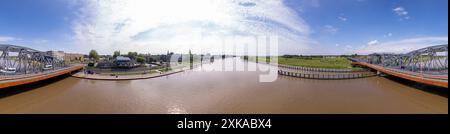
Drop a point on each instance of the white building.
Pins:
(57, 54)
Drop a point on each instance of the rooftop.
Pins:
(122, 58)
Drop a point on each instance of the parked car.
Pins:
(48, 67)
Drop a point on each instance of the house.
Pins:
(123, 62)
(73, 57)
(56, 54)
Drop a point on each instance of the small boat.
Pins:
(8, 70)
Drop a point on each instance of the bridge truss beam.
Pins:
(23, 60)
(432, 60)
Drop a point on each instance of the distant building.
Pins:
(124, 62)
(105, 64)
(330, 56)
(57, 54)
(106, 58)
(73, 57)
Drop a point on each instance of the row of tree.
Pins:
(132, 55)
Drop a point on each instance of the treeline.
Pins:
(132, 55)
(316, 56)
(147, 58)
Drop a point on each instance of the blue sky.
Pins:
(304, 26)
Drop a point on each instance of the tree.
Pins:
(140, 59)
(116, 53)
(94, 55)
(191, 57)
(132, 55)
(140, 55)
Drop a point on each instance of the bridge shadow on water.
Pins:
(31, 86)
(441, 91)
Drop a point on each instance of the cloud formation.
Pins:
(342, 18)
(400, 11)
(371, 43)
(401, 46)
(330, 29)
(7, 39)
(388, 35)
(161, 25)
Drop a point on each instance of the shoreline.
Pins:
(81, 75)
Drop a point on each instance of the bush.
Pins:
(140, 59)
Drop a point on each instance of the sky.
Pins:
(304, 27)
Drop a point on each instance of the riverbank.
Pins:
(338, 63)
(148, 74)
(318, 73)
(315, 62)
(82, 75)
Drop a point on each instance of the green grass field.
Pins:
(312, 62)
(335, 63)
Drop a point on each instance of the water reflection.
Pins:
(176, 109)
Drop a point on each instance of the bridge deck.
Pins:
(10, 81)
(436, 80)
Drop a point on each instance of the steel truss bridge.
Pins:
(21, 65)
(427, 65)
(23, 60)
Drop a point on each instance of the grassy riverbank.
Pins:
(312, 62)
(335, 63)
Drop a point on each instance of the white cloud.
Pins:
(388, 35)
(403, 46)
(371, 43)
(348, 46)
(330, 29)
(7, 39)
(342, 18)
(400, 11)
(158, 26)
(41, 41)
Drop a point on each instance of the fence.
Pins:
(327, 76)
(320, 69)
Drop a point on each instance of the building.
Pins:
(69, 57)
(105, 64)
(57, 54)
(123, 62)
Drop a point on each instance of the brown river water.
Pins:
(231, 92)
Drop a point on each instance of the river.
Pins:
(199, 92)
